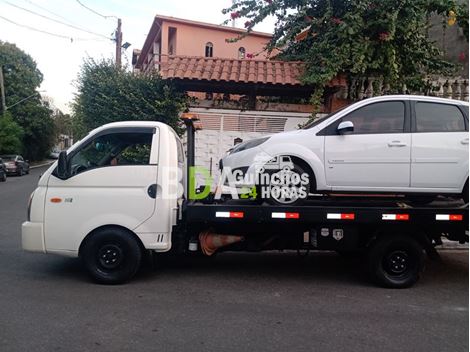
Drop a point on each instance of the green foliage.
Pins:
(11, 135)
(63, 123)
(108, 94)
(360, 38)
(21, 79)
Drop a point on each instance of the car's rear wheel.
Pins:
(3, 178)
(111, 255)
(465, 192)
(421, 200)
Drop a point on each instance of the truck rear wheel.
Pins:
(396, 261)
(111, 255)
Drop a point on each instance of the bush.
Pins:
(11, 135)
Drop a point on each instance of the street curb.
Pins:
(41, 165)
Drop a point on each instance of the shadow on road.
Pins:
(320, 267)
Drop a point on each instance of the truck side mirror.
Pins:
(345, 127)
(62, 170)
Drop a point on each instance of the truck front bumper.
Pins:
(32, 237)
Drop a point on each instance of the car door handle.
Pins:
(396, 144)
(152, 191)
(465, 141)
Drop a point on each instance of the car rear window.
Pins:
(8, 157)
(435, 117)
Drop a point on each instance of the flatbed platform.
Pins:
(332, 210)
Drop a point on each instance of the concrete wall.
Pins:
(191, 41)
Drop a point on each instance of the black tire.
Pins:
(111, 255)
(299, 201)
(465, 193)
(396, 261)
(20, 172)
(4, 177)
(421, 200)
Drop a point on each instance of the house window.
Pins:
(241, 53)
(209, 49)
(171, 41)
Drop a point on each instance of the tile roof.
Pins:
(232, 70)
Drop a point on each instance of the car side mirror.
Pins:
(345, 127)
(62, 169)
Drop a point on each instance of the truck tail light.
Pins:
(30, 201)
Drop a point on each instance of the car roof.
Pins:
(416, 97)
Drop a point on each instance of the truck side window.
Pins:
(113, 149)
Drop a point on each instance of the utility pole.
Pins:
(2, 91)
(118, 43)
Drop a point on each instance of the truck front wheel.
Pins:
(111, 255)
(396, 261)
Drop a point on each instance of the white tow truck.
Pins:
(117, 195)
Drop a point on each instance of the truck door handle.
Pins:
(465, 141)
(396, 144)
(152, 191)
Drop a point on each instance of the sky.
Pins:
(59, 57)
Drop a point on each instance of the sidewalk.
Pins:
(36, 164)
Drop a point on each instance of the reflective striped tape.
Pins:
(285, 215)
(449, 217)
(340, 216)
(229, 214)
(395, 217)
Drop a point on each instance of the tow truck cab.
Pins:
(118, 175)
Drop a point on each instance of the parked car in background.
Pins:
(402, 144)
(3, 171)
(15, 164)
(55, 153)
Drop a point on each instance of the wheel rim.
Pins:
(290, 188)
(110, 256)
(397, 263)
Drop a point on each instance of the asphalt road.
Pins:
(251, 302)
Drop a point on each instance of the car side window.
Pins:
(383, 117)
(436, 117)
(113, 149)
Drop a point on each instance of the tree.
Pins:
(357, 38)
(107, 93)
(11, 135)
(21, 79)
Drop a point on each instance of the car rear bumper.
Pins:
(32, 237)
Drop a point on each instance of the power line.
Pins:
(46, 32)
(57, 21)
(95, 12)
(49, 11)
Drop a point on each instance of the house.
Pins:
(240, 92)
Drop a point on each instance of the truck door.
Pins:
(112, 181)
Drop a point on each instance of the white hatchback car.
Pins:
(400, 144)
